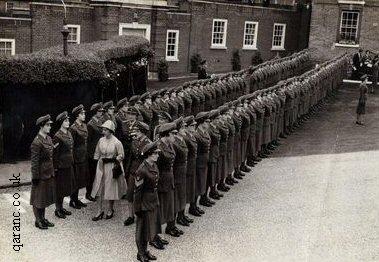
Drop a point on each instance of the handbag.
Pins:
(116, 170)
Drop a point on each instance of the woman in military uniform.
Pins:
(79, 133)
(63, 164)
(361, 108)
(43, 192)
(146, 201)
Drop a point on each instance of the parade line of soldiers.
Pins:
(169, 148)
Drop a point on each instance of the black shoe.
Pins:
(210, 201)
(200, 210)
(242, 174)
(74, 205)
(40, 225)
(181, 232)
(229, 182)
(182, 222)
(47, 223)
(110, 216)
(99, 217)
(205, 203)
(189, 220)
(238, 176)
(222, 188)
(194, 212)
(142, 258)
(244, 168)
(129, 221)
(214, 195)
(162, 241)
(66, 212)
(150, 256)
(88, 196)
(157, 245)
(219, 194)
(60, 214)
(80, 203)
(172, 233)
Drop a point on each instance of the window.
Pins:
(250, 35)
(219, 33)
(348, 33)
(8, 6)
(278, 37)
(172, 42)
(134, 29)
(7, 47)
(74, 36)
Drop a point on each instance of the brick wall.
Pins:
(18, 30)
(325, 26)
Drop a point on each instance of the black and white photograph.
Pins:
(189, 130)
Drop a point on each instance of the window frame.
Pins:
(78, 32)
(223, 44)
(357, 33)
(281, 47)
(176, 56)
(250, 47)
(135, 25)
(13, 42)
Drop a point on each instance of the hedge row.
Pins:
(85, 62)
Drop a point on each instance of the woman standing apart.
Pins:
(110, 183)
(63, 164)
(361, 108)
(79, 133)
(146, 201)
(43, 180)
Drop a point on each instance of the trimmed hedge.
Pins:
(85, 62)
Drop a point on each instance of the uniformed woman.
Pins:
(79, 133)
(361, 108)
(109, 184)
(43, 192)
(63, 164)
(146, 201)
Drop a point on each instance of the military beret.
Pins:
(200, 117)
(166, 128)
(77, 110)
(97, 107)
(165, 115)
(43, 120)
(133, 100)
(189, 120)
(162, 92)
(143, 127)
(108, 105)
(150, 148)
(122, 102)
(214, 113)
(132, 110)
(62, 116)
(145, 96)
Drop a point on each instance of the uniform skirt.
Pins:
(212, 174)
(44, 193)
(237, 150)
(180, 197)
(65, 182)
(361, 108)
(191, 180)
(166, 204)
(81, 174)
(149, 224)
(222, 169)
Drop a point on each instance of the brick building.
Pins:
(339, 26)
(176, 29)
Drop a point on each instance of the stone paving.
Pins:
(315, 199)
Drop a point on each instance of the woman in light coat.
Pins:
(109, 153)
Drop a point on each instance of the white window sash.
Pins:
(254, 46)
(13, 44)
(224, 34)
(175, 56)
(77, 27)
(356, 27)
(282, 37)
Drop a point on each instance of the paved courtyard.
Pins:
(315, 199)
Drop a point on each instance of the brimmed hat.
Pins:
(109, 125)
(214, 113)
(189, 120)
(62, 116)
(201, 117)
(97, 107)
(145, 96)
(122, 102)
(77, 110)
(223, 109)
(109, 105)
(133, 100)
(150, 148)
(132, 110)
(166, 128)
(364, 77)
(43, 120)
